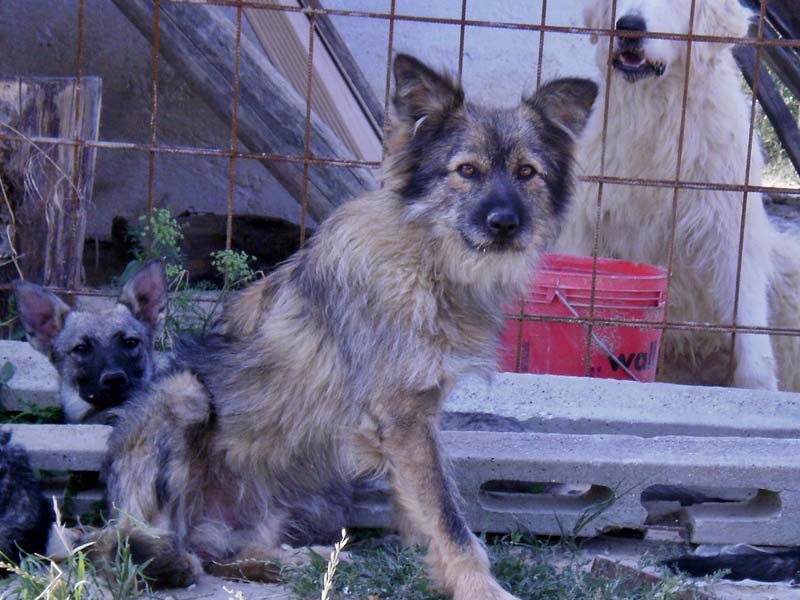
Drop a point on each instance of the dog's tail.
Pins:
(759, 566)
(784, 303)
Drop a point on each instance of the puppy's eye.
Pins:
(81, 349)
(131, 343)
(467, 171)
(526, 172)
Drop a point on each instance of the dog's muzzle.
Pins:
(629, 56)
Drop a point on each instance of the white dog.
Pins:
(644, 118)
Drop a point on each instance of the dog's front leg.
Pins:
(754, 360)
(426, 496)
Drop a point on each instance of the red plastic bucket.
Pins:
(562, 287)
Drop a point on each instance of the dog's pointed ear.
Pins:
(42, 314)
(566, 102)
(420, 92)
(146, 294)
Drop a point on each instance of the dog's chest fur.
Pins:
(366, 316)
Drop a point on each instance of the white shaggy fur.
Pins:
(644, 119)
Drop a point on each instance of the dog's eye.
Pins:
(526, 172)
(130, 343)
(81, 349)
(467, 171)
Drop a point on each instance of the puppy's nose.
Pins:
(502, 223)
(113, 379)
(631, 23)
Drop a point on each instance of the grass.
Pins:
(529, 569)
(74, 577)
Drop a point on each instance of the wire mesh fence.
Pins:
(308, 160)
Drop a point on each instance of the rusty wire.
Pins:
(745, 195)
(234, 130)
(599, 210)
(74, 274)
(313, 10)
(151, 158)
(678, 167)
(307, 137)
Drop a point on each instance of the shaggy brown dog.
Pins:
(338, 362)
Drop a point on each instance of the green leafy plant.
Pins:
(164, 235)
(234, 267)
(187, 313)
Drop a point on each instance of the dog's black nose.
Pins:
(502, 223)
(631, 23)
(113, 380)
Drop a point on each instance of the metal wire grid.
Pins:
(313, 9)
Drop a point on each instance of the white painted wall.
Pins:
(499, 64)
(37, 37)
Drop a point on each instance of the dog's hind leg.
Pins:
(424, 492)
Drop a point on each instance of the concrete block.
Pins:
(490, 466)
(738, 443)
(542, 403)
(63, 447)
(554, 404)
(35, 381)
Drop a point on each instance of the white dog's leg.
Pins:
(754, 358)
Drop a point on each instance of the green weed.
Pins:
(74, 577)
(526, 569)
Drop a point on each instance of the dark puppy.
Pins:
(25, 515)
(760, 566)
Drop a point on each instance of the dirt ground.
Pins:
(213, 588)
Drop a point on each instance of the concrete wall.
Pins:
(38, 37)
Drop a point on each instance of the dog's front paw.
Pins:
(484, 588)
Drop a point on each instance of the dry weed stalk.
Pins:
(327, 582)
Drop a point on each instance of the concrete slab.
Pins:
(35, 381)
(63, 447)
(502, 479)
(626, 465)
(554, 404)
(542, 403)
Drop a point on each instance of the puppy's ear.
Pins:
(723, 18)
(42, 314)
(566, 102)
(146, 294)
(420, 92)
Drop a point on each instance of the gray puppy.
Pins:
(102, 358)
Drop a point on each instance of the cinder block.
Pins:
(487, 465)
(35, 381)
(63, 447)
(608, 436)
(551, 404)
